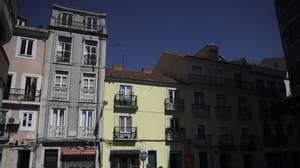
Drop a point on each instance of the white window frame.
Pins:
(65, 116)
(89, 80)
(57, 47)
(125, 123)
(61, 84)
(23, 81)
(18, 48)
(93, 19)
(81, 117)
(33, 120)
(67, 20)
(13, 79)
(97, 51)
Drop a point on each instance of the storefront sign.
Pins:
(78, 152)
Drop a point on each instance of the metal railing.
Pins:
(87, 94)
(63, 56)
(201, 110)
(202, 140)
(60, 92)
(175, 134)
(174, 104)
(22, 95)
(56, 131)
(78, 25)
(220, 82)
(123, 100)
(125, 133)
(223, 111)
(86, 132)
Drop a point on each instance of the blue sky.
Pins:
(140, 30)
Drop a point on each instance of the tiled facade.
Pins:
(73, 82)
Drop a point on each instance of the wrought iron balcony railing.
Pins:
(175, 134)
(202, 140)
(125, 133)
(174, 104)
(87, 94)
(244, 113)
(126, 101)
(78, 25)
(60, 92)
(14, 94)
(56, 131)
(223, 111)
(216, 81)
(201, 110)
(86, 132)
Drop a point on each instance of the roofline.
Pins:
(139, 81)
(78, 10)
(37, 32)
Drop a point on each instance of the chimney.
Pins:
(117, 67)
(210, 51)
(146, 70)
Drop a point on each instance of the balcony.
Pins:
(204, 140)
(201, 110)
(174, 105)
(223, 111)
(60, 92)
(22, 95)
(226, 142)
(125, 133)
(247, 143)
(175, 134)
(215, 81)
(125, 102)
(77, 25)
(87, 94)
(86, 132)
(245, 113)
(56, 132)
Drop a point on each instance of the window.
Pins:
(26, 47)
(67, 19)
(58, 117)
(290, 129)
(61, 79)
(218, 72)
(196, 70)
(242, 104)
(90, 52)
(86, 119)
(292, 33)
(91, 23)
(63, 52)
(126, 91)
(238, 80)
(27, 120)
(174, 124)
(125, 123)
(88, 81)
(260, 88)
(267, 130)
(263, 107)
(30, 88)
(221, 100)
(200, 132)
(199, 98)
(7, 87)
(245, 132)
(172, 95)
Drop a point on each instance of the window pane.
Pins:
(61, 117)
(29, 119)
(54, 117)
(90, 119)
(23, 46)
(24, 119)
(83, 118)
(29, 47)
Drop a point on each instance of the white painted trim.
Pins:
(53, 82)
(65, 118)
(93, 119)
(97, 51)
(13, 79)
(33, 125)
(23, 80)
(18, 47)
(96, 85)
(71, 48)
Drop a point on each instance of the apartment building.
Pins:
(70, 125)
(8, 13)
(20, 111)
(228, 117)
(137, 120)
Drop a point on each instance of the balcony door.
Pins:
(174, 124)
(201, 132)
(8, 86)
(172, 95)
(58, 117)
(126, 92)
(221, 101)
(199, 98)
(125, 123)
(30, 88)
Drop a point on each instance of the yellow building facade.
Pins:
(135, 120)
